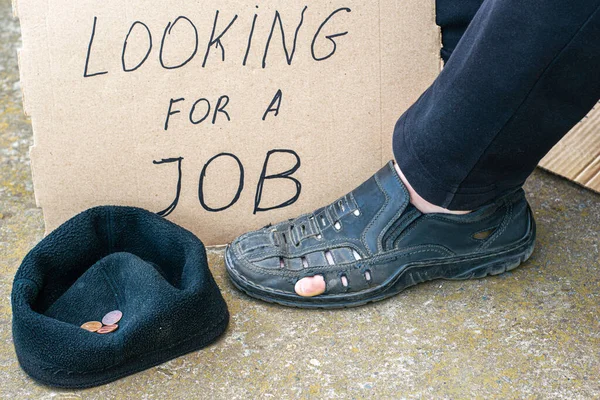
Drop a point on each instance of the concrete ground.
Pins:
(532, 333)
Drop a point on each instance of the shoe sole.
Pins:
(475, 267)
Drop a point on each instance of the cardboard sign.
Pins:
(222, 115)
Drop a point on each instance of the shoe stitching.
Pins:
(363, 237)
(398, 213)
(265, 271)
(366, 263)
(404, 222)
(358, 267)
(427, 217)
(505, 222)
(349, 265)
(322, 246)
(417, 264)
(351, 204)
(354, 202)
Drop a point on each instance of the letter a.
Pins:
(274, 106)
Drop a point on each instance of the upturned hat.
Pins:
(113, 258)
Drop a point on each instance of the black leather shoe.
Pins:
(372, 244)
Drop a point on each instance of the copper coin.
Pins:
(108, 329)
(92, 326)
(112, 317)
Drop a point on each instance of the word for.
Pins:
(240, 173)
(202, 109)
(215, 41)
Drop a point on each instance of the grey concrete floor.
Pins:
(532, 333)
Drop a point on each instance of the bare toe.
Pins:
(310, 287)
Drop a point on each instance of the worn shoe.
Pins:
(372, 244)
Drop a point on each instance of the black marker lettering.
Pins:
(250, 39)
(125, 47)
(219, 45)
(221, 108)
(168, 31)
(170, 112)
(217, 41)
(289, 57)
(86, 74)
(173, 205)
(201, 184)
(330, 37)
(193, 110)
(274, 106)
(283, 175)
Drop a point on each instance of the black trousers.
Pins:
(519, 75)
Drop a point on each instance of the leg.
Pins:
(454, 16)
(522, 76)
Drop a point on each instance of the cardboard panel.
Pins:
(165, 105)
(577, 156)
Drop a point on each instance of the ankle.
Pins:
(420, 203)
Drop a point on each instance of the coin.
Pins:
(112, 317)
(108, 329)
(92, 326)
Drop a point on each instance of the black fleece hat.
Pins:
(104, 259)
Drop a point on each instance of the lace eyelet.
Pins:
(337, 226)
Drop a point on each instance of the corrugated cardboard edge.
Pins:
(577, 156)
(23, 85)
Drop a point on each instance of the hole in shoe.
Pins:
(344, 280)
(281, 262)
(482, 235)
